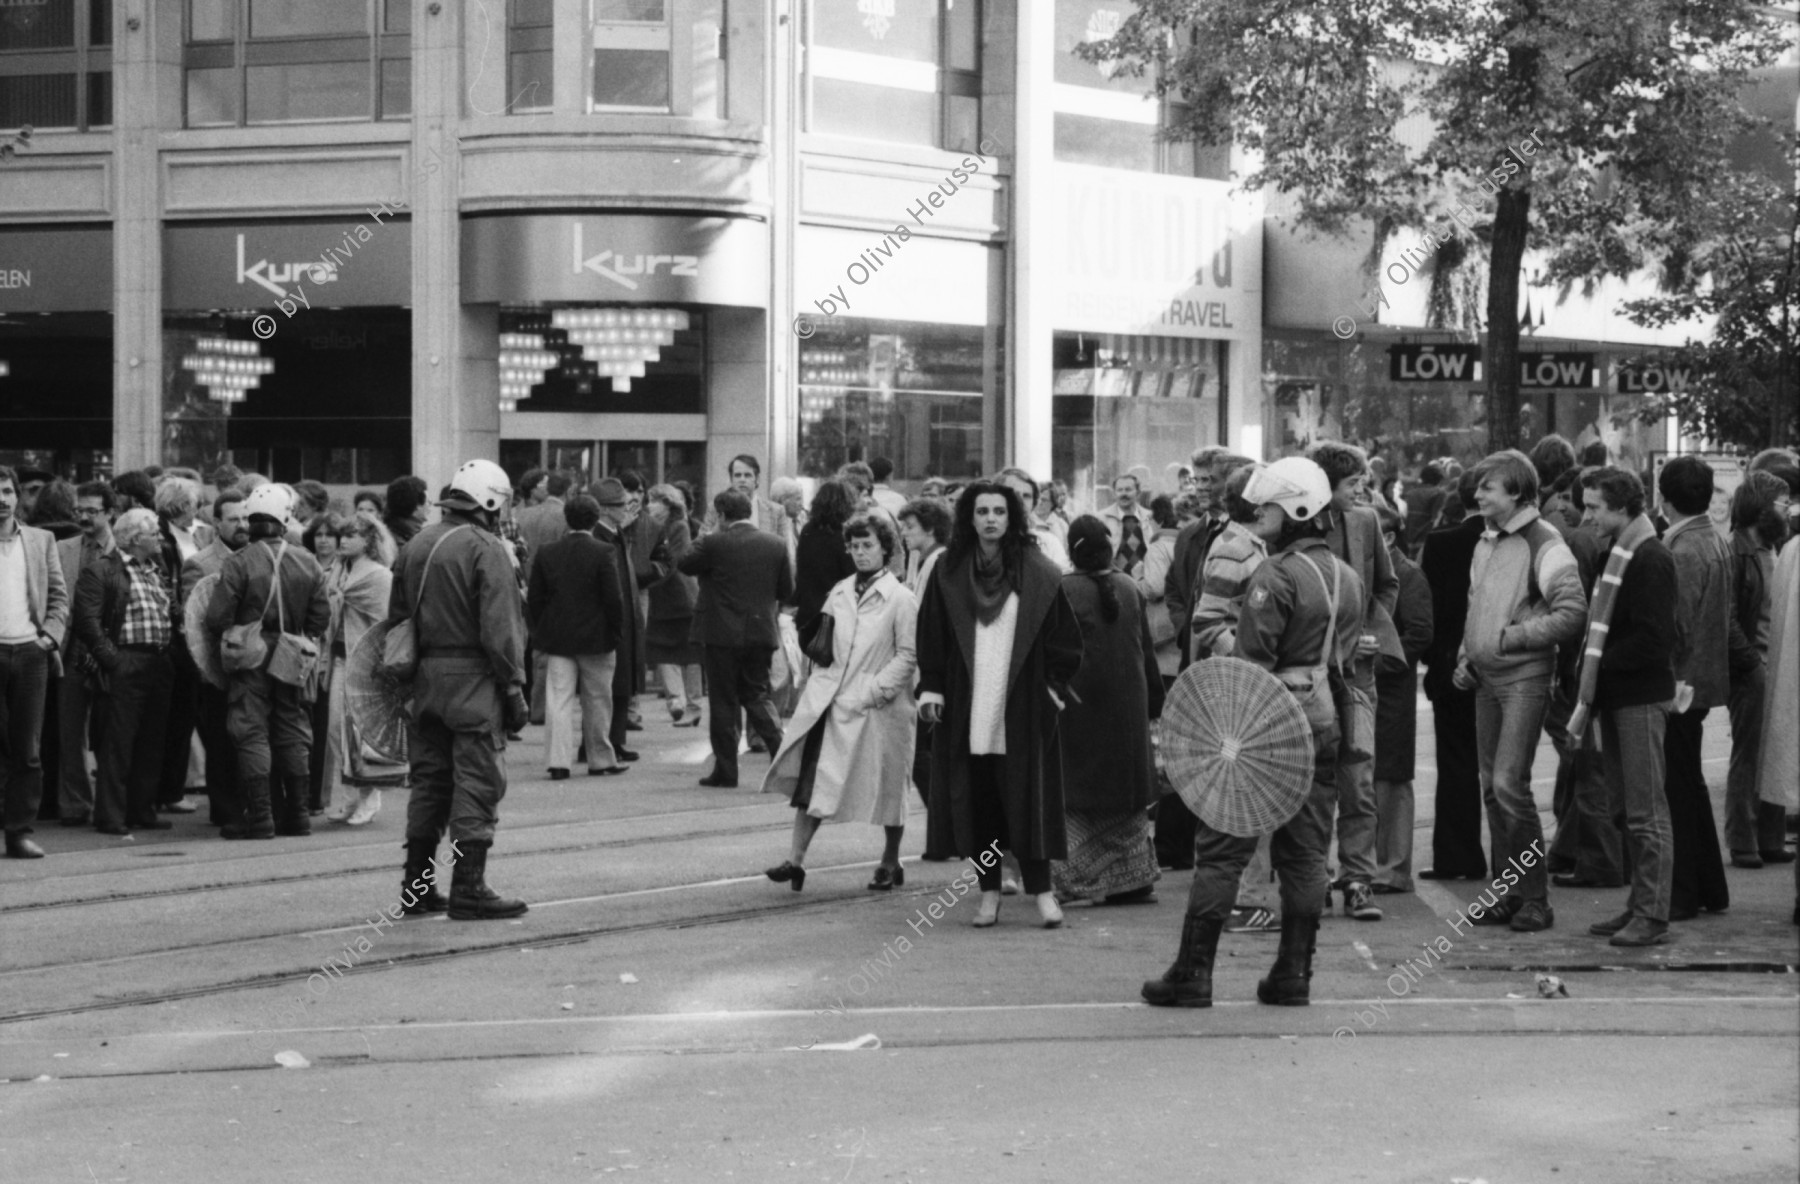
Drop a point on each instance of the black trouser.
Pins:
(1456, 835)
(24, 677)
(618, 728)
(135, 716)
(317, 756)
(221, 756)
(184, 709)
(1699, 880)
(987, 796)
(50, 752)
(737, 678)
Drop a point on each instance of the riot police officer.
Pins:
(468, 692)
(1283, 627)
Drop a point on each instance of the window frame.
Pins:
(949, 81)
(375, 46)
(82, 61)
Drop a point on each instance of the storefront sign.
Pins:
(1558, 371)
(1652, 378)
(511, 259)
(1137, 253)
(1434, 363)
(56, 269)
(355, 262)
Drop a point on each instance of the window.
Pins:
(1106, 120)
(899, 70)
(665, 56)
(297, 61)
(530, 58)
(56, 64)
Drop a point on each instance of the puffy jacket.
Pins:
(1525, 599)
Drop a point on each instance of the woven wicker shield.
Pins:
(1237, 747)
(202, 645)
(375, 703)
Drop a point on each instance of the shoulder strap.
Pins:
(275, 590)
(1328, 655)
(419, 596)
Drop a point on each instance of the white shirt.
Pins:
(993, 659)
(15, 597)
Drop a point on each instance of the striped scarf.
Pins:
(1606, 594)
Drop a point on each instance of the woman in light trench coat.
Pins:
(848, 754)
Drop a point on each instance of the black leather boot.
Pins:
(292, 818)
(470, 897)
(1288, 984)
(1188, 983)
(419, 883)
(257, 820)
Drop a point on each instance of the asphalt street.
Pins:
(664, 1010)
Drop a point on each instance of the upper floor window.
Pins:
(297, 61)
(530, 56)
(905, 70)
(56, 64)
(665, 56)
(1104, 119)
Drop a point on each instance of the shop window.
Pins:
(297, 61)
(1121, 401)
(673, 383)
(908, 391)
(56, 64)
(1103, 117)
(897, 70)
(56, 392)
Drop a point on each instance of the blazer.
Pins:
(744, 578)
(1182, 589)
(46, 595)
(1703, 571)
(203, 563)
(1355, 537)
(1445, 560)
(575, 604)
(764, 515)
(540, 525)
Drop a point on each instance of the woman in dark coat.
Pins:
(671, 597)
(998, 646)
(1397, 719)
(821, 558)
(1109, 774)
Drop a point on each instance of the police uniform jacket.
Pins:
(245, 592)
(1283, 623)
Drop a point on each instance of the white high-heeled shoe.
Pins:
(1049, 910)
(988, 915)
(365, 809)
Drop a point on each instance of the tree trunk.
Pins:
(1511, 224)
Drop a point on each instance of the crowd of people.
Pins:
(981, 643)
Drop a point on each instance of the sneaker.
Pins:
(1500, 914)
(1359, 902)
(1642, 932)
(1533, 915)
(1252, 919)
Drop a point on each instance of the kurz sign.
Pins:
(1434, 363)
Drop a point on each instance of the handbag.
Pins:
(1355, 708)
(242, 647)
(295, 660)
(400, 648)
(819, 648)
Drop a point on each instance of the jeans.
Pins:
(135, 710)
(1508, 719)
(1356, 802)
(1255, 886)
(1394, 834)
(1297, 849)
(24, 680)
(681, 683)
(1751, 824)
(594, 673)
(1631, 744)
(1587, 839)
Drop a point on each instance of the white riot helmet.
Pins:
(1295, 484)
(482, 483)
(270, 501)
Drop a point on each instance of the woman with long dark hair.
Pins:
(821, 558)
(1109, 775)
(998, 646)
(1754, 831)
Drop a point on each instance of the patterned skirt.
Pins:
(1109, 853)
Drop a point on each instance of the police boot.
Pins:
(1188, 983)
(1287, 984)
(294, 821)
(470, 897)
(419, 896)
(256, 821)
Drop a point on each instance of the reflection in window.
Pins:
(291, 61)
(908, 391)
(56, 64)
(530, 57)
(631, 62)
(906, 71)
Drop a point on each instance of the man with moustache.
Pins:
(75, 690)
(615, 517)
(34, 614)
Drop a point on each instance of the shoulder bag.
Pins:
(819, 648)
(1355, 709)
(241, 647)
(400, 648)
(295, 661)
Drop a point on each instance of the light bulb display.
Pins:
(228, 369)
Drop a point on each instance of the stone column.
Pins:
(1032, 273)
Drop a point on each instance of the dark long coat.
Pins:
(1046, 656)
(1397, 679)
(1107, 763)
